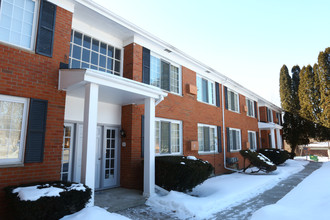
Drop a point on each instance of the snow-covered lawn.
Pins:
(218, 193)
(94, 212)
(308, 200)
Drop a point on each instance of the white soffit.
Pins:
(267, 126)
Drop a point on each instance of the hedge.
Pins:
(258, 160)
(277, 156)
(50, 208)
(181, 173)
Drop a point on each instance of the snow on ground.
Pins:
(320, 159)
(218, 193)
(94, 212)
(309, 200)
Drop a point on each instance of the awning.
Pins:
(112, 89)
(268, 126)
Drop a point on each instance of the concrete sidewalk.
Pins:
(271, 196)
(239, 212)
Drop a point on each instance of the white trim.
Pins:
(237, 99)
(208, 95)
(215, 138)
(180, 136)
(25, 102)
(255, 139)
(240, 139)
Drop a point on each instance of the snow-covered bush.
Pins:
(258, 160)
(277, 156)
(181, 173)
(49, 200)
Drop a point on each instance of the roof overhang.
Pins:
(112, 89)
(268, 126)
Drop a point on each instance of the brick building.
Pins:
(68, 65)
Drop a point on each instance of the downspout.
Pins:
(224, 129)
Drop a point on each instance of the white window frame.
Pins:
(24, 101)
(215, 138)
(70, 159)
(211, 97)
(180, 136)
(33, 28)
(247, 105)
(270, 119)
(71, 58)
(231, 143)
(254, 139)
(229, 100)
(152, 54)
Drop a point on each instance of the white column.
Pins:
(149, 147)
(89, 137)
(278, 139)
(272, 135)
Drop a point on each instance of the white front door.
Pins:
(110, 157)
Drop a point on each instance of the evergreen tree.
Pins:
(316, 96)
(306, 93)
(324, 78)
(294, 90)
(285, 89)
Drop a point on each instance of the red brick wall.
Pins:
(185, 108)
(243, 122)
(30, 75)
(263, 113)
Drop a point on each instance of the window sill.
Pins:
(234, 151)
(233, 111)
(208, 153)
(207, 103)
(31, 51)
(11, 165)
(163, 155)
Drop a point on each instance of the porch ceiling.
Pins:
(268, 126)
(112, 89)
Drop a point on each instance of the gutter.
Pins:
(224, 129)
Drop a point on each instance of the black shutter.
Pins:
(219, 139)
(258, 140)
(267, 114)
(35, 139)
(142, 136)
(46, 28)
(217, 94)
(270, 141)
(165, 75)
(228, 141)
(255, 109)
(146, 66)
(226, 98)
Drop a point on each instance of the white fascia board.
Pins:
(66, 4)
(69, 78)
(121, 83)
(267, 126)
(157, 45)
(96, 33)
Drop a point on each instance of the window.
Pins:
(207, 138)
(66, 152)
(278, 116)
(233, 101)
(250, 107)
(13, 118)
(252, 140)
(205, 90)
(234, 139)
(168, 137)
(269, 115)
(164, 75)
(88, 52)
(17, 22)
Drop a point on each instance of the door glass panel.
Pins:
(109, 165)
(66, 153)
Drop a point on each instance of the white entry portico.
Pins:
(94, 87)
(272, 127)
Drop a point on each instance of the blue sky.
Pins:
(246, 40)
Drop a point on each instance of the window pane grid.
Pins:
(87, 52)
(205, 90)
(167, 137)
(207, 138)
(234, 139)
(233, 102)
(16, 22)
(174, 79)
